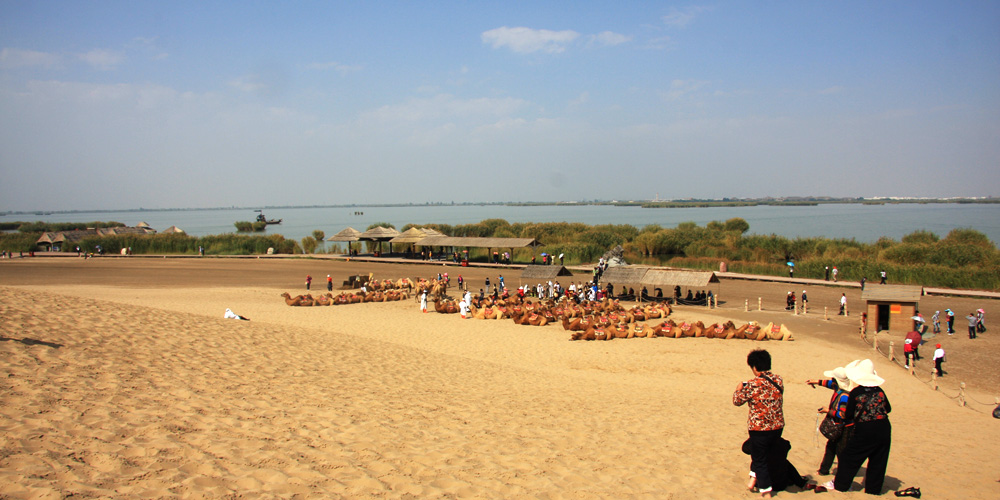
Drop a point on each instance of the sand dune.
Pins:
(127, 392)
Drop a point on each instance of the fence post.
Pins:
(913, 366)
(795, 308)
(875, 341)
(746, 305)
(892, 348)
(934, 380)
(826, 316)
(961, 394)
(759, 303)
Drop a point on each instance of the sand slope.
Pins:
(149, 393)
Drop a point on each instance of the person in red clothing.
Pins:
(766, 419)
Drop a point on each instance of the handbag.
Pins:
(831, 428)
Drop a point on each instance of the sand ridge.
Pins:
(129, 392)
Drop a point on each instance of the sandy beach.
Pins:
(123, 380)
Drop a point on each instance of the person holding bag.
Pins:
(832, 427)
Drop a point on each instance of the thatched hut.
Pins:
(379, 234)
(536, 274)
(349, 235)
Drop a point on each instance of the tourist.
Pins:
(882, 275)
(936, 320)
(766, 420)
(309, 280)
(835, 274)
(805, 301)
(229, 314)
(329, 283)
(951, 321)
(867, 413)
(863, 280)
(973, 321)
(843, 304)
(938, 359)
(838, 382)
(910, 345)
(826, 275)
(980, 320)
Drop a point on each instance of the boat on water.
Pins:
(262, 218)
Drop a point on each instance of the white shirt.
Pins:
(843, 300)
(939, 354)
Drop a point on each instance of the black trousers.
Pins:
(761, 443)
(871, 441)
(833, 448)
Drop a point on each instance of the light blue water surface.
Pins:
(864, 223)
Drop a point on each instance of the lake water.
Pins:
(864, 223)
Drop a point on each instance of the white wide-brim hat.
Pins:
(838, 374)
(863, 373)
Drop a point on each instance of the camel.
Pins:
(755, 332)
(307, 301)
(726, 330)
(488, 312)
(778, 332)
(325, 299)
(696, 329)
(292, 301)
(593, 333)
(445, 307)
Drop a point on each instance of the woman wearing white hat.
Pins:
(837, 381)
(868, 416)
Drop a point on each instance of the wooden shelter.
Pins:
(379, 234)
(620, 276)
(414, 236)
(173, 230)
(349, 235)
(544, 273)
(455, 242)
(891, 307)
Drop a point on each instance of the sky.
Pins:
(176, 104)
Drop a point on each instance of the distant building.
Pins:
(56, 239)
(892, 307)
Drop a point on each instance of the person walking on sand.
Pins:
(867, 415)
(423, 301)
(309, 280)
(837, 381)
(973, 321)
(766, 419)
(826, 274)
(980, 320)
(835, 274)
(843, 304)
(882, 276)
(951, 321)
(938, 359)
(329, 283)
(936, 320)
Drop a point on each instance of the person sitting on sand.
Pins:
(230, 314)
(766, 419)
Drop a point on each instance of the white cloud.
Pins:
(16, 58)
(446, 107)
(680, 18)
(526, 40)
(681, 88)
(343, 69)
(609, 38)
(102, 59)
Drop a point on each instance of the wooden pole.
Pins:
(746, 305)
(795, 308)
(934, 376)
(826, 316)
(961, 394)
(759, 304)
(892, 351)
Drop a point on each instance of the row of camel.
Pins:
(594, 329)
(328, 299)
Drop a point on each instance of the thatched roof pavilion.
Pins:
(173, 229)
(544, 273)
(379, 234)
(349, 235)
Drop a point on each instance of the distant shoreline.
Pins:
(691, 203)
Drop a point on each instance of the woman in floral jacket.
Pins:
(766, 419)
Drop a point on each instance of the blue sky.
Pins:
(117, 105)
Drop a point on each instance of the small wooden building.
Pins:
(891, 307)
